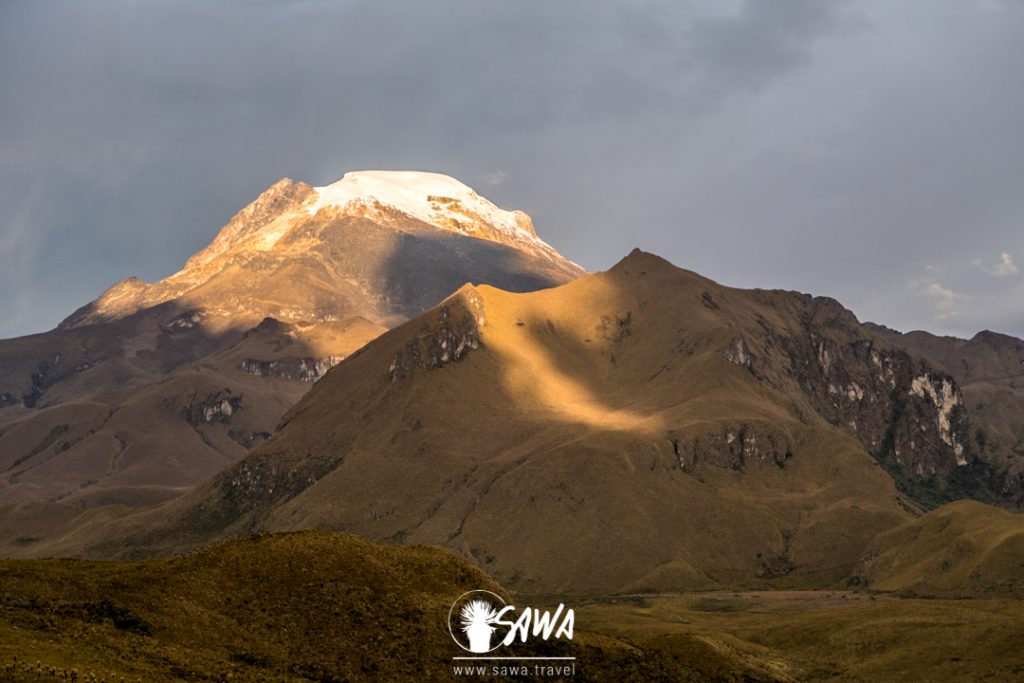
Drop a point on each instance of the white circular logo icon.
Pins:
(473, 621)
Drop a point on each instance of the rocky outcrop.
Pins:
(47, 373)
(248, 440)
(447, 339)
(185, 321)
(905, 411)
(217, 407)
(774, 564)
(301, 369)
(255, 484)
(615, 328)
(988, 368)
(900, 408)
(738, 353)
(736, 447)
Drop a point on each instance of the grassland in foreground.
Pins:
(316, 606)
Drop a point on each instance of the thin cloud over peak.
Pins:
(1004, 267)
(945, 302)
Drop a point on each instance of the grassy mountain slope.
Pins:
(315, 606)
(643, 428)
(964, 549)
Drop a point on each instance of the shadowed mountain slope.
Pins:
(989, 368)
(146, 443)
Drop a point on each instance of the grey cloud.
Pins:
(834, 147)
(764, 40)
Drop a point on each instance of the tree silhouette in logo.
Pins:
(478, 617)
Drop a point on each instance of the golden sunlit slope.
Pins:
(295, 607)
(643, 428)
(964, 549)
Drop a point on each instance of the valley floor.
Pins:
(831, 635)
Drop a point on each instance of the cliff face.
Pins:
(453, 333)
(906, 411)
(989, 368)
(901, 408)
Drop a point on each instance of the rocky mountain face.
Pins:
(990, 370)
(639, 429)
(905, 411)
(152, 388)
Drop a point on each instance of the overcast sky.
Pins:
(872, 151)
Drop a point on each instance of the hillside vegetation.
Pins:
(964, 549)
(308, 606)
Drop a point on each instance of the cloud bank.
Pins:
(831, 147)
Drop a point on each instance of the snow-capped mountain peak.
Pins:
(433, 198)
(332, 250)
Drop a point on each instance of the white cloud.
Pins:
(1005, 267)
(946, 303)
(495, 178)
